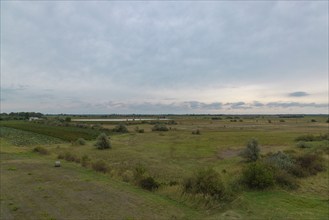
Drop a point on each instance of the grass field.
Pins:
(32, 188)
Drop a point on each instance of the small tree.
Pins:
(251, 153)
(103, 142)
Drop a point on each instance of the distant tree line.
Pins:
(20, 115)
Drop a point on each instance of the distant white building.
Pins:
(34, 118)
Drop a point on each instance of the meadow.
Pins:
(105, 184)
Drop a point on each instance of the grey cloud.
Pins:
(295, 104)
(298, 94)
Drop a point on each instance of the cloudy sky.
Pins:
(164, 57)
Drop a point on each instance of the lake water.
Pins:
(119, 119)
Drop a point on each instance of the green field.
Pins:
(32, 188)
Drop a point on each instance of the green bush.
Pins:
(258, 176)
(100, 166)
(251, 152)
(41, 150)
(80, 141)
(122, 128)
(149, 183)
(103, 142)
(206, 182)
(160, 127)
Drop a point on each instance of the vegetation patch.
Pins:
(41, 150)
(24, 138)
(61, 132)
(206, 182)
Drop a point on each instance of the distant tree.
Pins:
(68, 119)
(251, 152)
(103, 142)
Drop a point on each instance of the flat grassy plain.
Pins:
(32, 188)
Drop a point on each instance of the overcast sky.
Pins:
(164, 57)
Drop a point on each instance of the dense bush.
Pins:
(100, 166)
(41, 150)
(251, 152)
(160, 127)
(258, 176)
(80, 141)
(103, 142)
(149, 183)
(206, 182)
(122, 128)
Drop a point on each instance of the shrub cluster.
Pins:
(310, 137)
(80, 141)
(100, 166)
(160, 127)
(308, 164)
(197, 131)
(68, 156)
(41, 150)
(207, 182)
(121, 128)
(149, 183)
(139, 130)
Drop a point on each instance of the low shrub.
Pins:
(149, 183)
(85, 161)
(197, 131)
(311, 164)
(139, 172)
(80, 141)
(205, 181)
(128, 176)
(303, 144)
(258, 176)
(68, 156)
(103, 142)
(100, 166)
(280, 161)
(139, 130)
(41, 150)
(251, 152)
(310, 137)
(160, 127)
(121, 128)
(285, 180)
